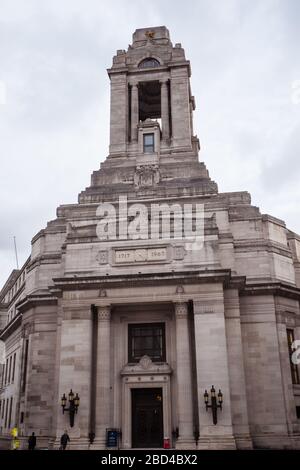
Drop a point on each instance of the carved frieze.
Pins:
(146, 367)
(146, 175)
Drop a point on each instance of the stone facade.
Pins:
(222, 305)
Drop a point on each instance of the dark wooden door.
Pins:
(147, 417)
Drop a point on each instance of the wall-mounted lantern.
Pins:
(215, 402)
(73, 405)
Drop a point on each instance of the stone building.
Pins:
(138, 321)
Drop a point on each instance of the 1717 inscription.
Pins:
(139, 255)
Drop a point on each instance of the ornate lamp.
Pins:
(215, 402)
(74, 402)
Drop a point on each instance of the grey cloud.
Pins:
(283, 172)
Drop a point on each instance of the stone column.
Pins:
(72, 371)
(212, 366)
(103, 392)
(165, 110)
(134, 111)
(184, 379)
(237, 381)
(286, 379)
(180, 105)
(118, 114)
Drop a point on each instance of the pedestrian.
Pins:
(64, 440)
(31, 442)
(15, 444)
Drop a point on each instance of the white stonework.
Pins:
(140, 328)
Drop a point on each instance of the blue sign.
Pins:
(112, 436)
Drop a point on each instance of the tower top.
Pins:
(159, 34)
(152, 142)
(150, 83)
(152, 42)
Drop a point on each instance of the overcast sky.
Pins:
(54, 100)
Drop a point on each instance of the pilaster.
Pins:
(184, 378)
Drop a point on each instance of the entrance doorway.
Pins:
(147, 417)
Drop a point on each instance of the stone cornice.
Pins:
(133, 280)
(13, 300)
(12, 326)
(49, 258)
(128, 70)
(262, 245)
(271, 288)
(34, 300)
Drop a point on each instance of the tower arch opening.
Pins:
(149, 62)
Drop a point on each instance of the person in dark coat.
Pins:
(31, 442)
(64, 440)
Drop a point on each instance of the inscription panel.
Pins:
(140, 255)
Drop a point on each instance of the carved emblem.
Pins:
(27, 329)
(102, 293)
(178, 252)
(102, 257)
(150, 34)
(146, 175)
(145, 362)
(179, 290)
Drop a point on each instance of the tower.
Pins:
(151, 82)
(152, 143)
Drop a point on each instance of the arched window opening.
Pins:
(149, 63)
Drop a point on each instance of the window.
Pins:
(6, 370)
(6, 412)
(294, 368)
(149, 63)
(14, 368)
(148, 143)
(25, 365)
(3, 375)
(298, 412)
(9, 371)
(10, 411)
(146, 339)
(3, 408)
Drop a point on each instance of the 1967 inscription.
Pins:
(140, 255)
